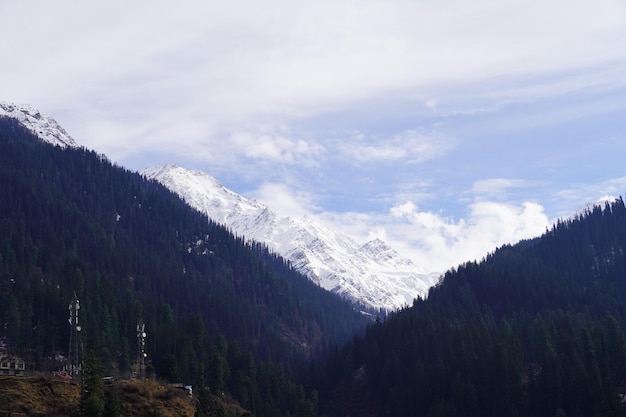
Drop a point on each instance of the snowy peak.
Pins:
(204, 192)
(383, 253)
(42, 125)
(372, 274)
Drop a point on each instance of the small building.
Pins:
(12, 366)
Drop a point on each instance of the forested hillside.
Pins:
(218, 311)
(535, 329)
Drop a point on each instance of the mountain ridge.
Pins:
(536, 328)
(72, 222)
(372, 274)
(39, 123)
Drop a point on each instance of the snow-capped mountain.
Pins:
(372, 274)
(42, 125)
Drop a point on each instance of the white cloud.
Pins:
(435, 242)
(497, 187)
(579, 195)
(273, 144)
(410, 146)
(277, 61)
(284, 200)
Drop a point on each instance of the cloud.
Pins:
(410, 146)
(497, 188)
(284, 200)
(278, 62)
(579, 195)
(274, 144)
(436, 243)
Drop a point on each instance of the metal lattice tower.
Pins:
(73, 357)
(141, 356)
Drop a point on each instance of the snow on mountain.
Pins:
(372, 274)
(589, 207)
(42, 125)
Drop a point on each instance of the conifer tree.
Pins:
(92, 400)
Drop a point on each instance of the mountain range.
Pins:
(536, 329)
(372, 275)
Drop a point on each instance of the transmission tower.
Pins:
(141, 356)
(73, 357)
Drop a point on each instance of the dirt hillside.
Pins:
(52, 397)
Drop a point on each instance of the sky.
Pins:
(446, 128)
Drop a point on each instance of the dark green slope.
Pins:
(72, 221)
(535, 329)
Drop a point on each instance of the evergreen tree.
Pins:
(92, 399)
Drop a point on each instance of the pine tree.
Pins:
(92, 400)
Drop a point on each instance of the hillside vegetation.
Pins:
(219, 311)
(49, 397)
(534, 329)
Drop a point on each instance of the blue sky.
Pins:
(446, 128)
